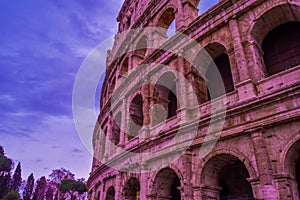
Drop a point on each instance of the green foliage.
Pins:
(72, 187)
(27, 193)
(12, 195)
(17, 179)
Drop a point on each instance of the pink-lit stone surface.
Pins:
(258, 152)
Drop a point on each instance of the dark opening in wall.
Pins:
(110, 194)
(281, 48)
(136, 116)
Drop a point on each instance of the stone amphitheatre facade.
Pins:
(255, 45)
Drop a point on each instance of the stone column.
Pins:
(118, 186)
(181, 89)
(108, 143)
(102, 193)
(190, 12)
(256, 60)
(267, 189)
(144, 185)
(146, 101)
(287, 187)
(187, 176)
(246, 88)
(123, 123)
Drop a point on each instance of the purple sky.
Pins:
(43, 44)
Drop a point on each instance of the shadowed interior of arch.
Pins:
(281, 48)
(167, 185)
(226, 176)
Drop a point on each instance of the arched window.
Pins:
(292, 167)
(214, 60)
(281, 48)
(132, 189)
(136, 116)
(230, 175)
(116, 129)
(124, 67)
(167, 21)
(110, 194)
(167, 184)
(204, 5)
(140, 52)
(165, 91)
(112, 87)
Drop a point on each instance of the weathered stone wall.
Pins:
(261, 133)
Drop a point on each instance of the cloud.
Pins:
(43, 44)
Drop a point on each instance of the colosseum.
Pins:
(166, 130)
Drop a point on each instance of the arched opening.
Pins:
(124, 67)
(204, 5)
(110, 193)
(112, 87)
(103, 142)
(167, 21)
(136, 120)
(132, 189)
(281, 48)
(167, 185)
(115, 139)
(221, 61)
(140, 52)
(166, 99)
(225, 177)
(292, 167)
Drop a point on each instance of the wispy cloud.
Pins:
(42, 46)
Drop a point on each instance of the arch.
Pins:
(167, 20)
(116, 129)
(110, 194)
(281, 47)
(271, 18)
(131, 189)
(136, 120)
(112, 86)
(124, 67)
(291, 164)
(230, 151)
(166, 99)
(167, 184)
(224, 176)
(215, 54)
(140, 51)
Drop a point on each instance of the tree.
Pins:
(17, 179)
(1, 150)
(72, 187)
(40, 189)
(58, 175)
(4, 184)
(27, 193)
(49, 193)
(5, 163)
(5, 168)
(12, 195)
